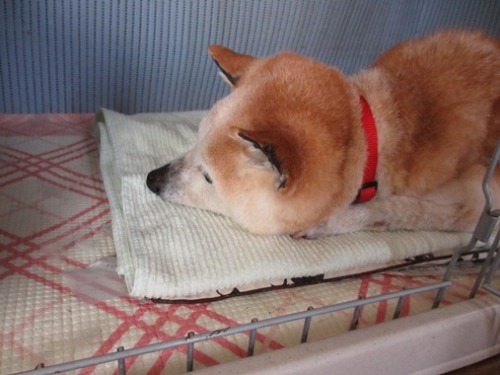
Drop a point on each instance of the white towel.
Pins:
(170, 251)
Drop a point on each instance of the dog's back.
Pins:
(446, 98)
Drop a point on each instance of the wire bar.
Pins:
(495, 261)
(491, 273)
(190, 351)
(488, 267)
(251, 340)
(355, 316)
(307, 327)
(451, 266)
(489, 176)
(172, 344)
(492, 290)
(121, 363)
(399, 307)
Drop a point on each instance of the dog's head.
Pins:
(276, 154)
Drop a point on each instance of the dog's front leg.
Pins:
(395, 212)
(355, 218)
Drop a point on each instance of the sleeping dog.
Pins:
(298, 148)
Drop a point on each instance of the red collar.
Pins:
(369, 187)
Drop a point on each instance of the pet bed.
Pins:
(168, 251)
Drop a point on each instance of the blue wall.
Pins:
(142, 56)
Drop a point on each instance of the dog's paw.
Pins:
(298, 235)
(312, 233)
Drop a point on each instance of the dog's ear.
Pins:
(231, 64)
(266, 153)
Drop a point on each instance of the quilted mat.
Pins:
(63, 300)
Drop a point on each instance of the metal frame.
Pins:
(483, 234)
(486, 232)
(251, 328)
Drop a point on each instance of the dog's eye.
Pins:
(207, 177)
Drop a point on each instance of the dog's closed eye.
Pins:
(207, 177)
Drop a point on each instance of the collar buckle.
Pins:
(367, 191)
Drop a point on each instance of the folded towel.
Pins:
(171, 252)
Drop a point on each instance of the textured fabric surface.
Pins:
(170, 251)
(151, 56)
(61, 300)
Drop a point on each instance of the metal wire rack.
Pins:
(486, 237)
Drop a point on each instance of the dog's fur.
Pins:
(285, 151)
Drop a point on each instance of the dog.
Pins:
(298, 148)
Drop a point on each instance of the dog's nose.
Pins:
(157, 179)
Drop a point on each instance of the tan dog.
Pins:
(286, 151)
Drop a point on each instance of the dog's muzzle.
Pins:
(157, 179)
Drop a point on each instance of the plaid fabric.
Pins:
(62, 301)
